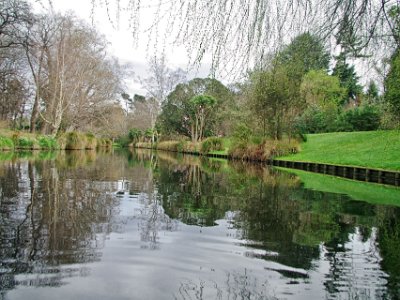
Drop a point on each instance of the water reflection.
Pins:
(50, 217)
(181, 227)
(280, 221)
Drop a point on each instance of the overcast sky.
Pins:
(135, 49)
(123, 45)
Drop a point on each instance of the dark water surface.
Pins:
(138, 225)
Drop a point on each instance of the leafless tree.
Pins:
(158, 85)
(71, 71)
(15, 19)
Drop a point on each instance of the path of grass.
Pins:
(374, 149)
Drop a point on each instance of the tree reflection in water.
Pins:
(152, 221)
(280, 221)
(49, 218)
(56, 214)
(235, 286)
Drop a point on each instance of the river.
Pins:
(143, 225)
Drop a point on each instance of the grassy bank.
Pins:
(373, 149)
(17, 140)
(230, 148)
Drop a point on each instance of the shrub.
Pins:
(242, 133)
(212, 144)
(313, 120)
(175, 146)
(91, 141)
(190, 147)
(24, 143)
(237, 149)
(265, 151)
(359, 119)
(280, 148)
(124, 141)
(62, 141)
(135, 134)
(47, 142)
(104, 143)
(144, 145)
(75, 141)
(6, 143)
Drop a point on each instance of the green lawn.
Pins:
(369, 192)
(374, 149)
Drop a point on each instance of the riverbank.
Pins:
(368, 149)
(18, 140)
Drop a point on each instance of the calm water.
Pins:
(144, 226)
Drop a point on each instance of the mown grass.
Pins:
(373, 149)
(369, 192)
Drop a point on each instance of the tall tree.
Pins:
(392, 86)
(202, 104)
(306, 52)
(15, 19)
(273, 99)
(177, 116)
(158, 85)
(372, 93)
(321, 90)
(348, 78)
(71, 72)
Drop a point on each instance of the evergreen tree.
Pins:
(372, 94)
(348, 78)
(306, 52)
(392, 86)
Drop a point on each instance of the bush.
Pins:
(47, 142)
(104, 143)
(237, 149)
(364, 118)
(91, 141)
(314, 120)
(191, 147)
(144, 145)
(75, 141)
(134, 134)
(280, 148)
(212, 144)
(23, 142)
(261, 152)
(124, 141)
(175, 146)
(242, 133)
(6, 143)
